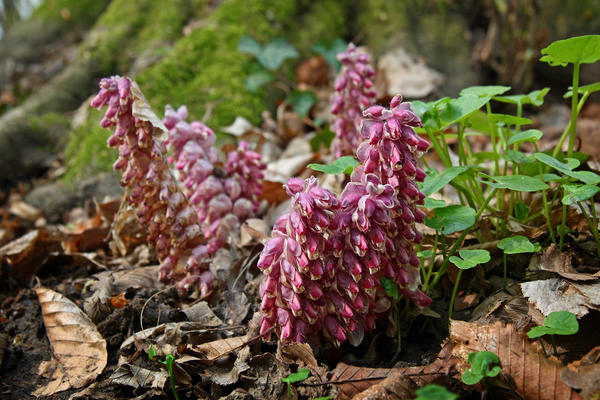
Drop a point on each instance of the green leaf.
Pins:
(458, 109)
(343, 164)
(508, 119)
(275, 53)
(518, 157)
(302, 101)
(592, 87)
(433, 183)
(521, 210)
(257, 79)
(330, 52)
(556, 323)
(424, 254)
(579, 193)
(516, 245)
(299, 376)
(535, 97)
(470, 258)
(451, 219)
(151, 353)
(484, 364)
(249, 45)
(530, 135)
(575, 50)
(390, 287)
(322, 139)
(485, 91)
(519, 183)
(434, 392)
(433, 203)
(586, 177)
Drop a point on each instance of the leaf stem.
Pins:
(452, 298)
(574, 108)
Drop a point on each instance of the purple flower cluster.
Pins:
(369, 235)
(222, 200)
(160, 205)
(296, 264)
(352, 95)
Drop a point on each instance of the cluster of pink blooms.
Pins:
(223, 196)
(325, 261)
(353, 93)
(159, 203)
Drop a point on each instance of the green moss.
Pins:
(75, 12)
(204, 70)
(86, 152)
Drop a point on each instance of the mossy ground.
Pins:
(204, 70)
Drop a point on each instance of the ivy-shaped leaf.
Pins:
(575, 50)
(302, 101)
(470, 258)
(556, 323)
(484, 364)
(451, 219)
(516, 245)
(344, 164)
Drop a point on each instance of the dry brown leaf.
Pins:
(585, 374)
(137, 377)
(554, 261)
(212, 351)
(533, 375)
(253, 231)
(79, 351)
(27, 253)
(142, 110)
(202, 313)
(126, 231)
(394, 387)
(294, 352)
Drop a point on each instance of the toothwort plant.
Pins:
(223, 197)
(352, 95)
(325, 261)
(160, 205)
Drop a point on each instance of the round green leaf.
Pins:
(519, 183)
(249, 45)
(484, 91)
(575, 50)
(434, 392)
(343, 164)
(591, 88)
(451, 219)
(274, 53)
(508, 119)
(302, 101)
(470, 258)
(483, 364)
(433, 182)
(433, 203)
(516, 245)
(257, 79)
(562, 323)
(530, 135)
(457, 109)
(535, 97)
(579, 193)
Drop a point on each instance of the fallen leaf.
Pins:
(394, 387)
(24, 210)
(553, 260)
(200, 312)
(253, 231)
(294, 352)
(239, 127)
(533, 375)
(142, 110)
(27, 253)
(561, 295)
(79, 351)
(214, 350)
(126, 231)
(137, 377)
(584, 374)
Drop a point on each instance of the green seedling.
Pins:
(469, 259)
(168, 362)
(556, 323)
(329, 51)
(299, 376)
(484, 364)
(343, 164)
(268, 59)
(434, 392)
(302, 101)
(516, 245)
